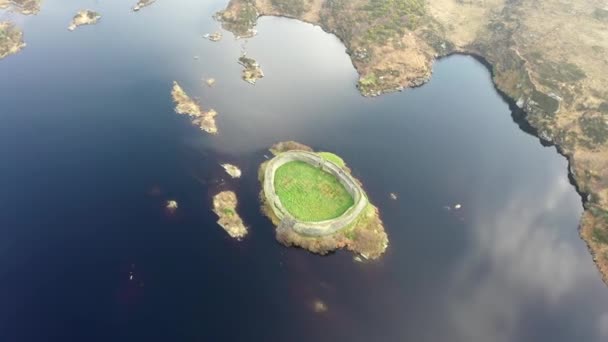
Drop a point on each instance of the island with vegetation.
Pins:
(316, 204)
(548, 57)
(25, 7)
(11, 39)
(252, 70)
(84, 17)
(224, 206)
(141, 4)
(184, 104)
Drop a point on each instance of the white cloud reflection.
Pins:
(518, 256)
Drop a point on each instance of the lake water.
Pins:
(91, 149)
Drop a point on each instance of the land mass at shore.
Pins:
(547, 57)
(25, 7)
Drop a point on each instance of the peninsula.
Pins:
(548, 57)
(186, 105)
(224, 206)
(84, 17)
(25, 7)
(316, 203)
(11, 39)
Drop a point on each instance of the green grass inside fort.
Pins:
(309, 193)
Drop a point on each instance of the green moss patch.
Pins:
(309, 193)
(332, 158)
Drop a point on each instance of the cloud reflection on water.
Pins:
(518, 256)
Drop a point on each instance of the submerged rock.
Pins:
(210, 82)
(171, 206)
(186, 105)
(319, 306)
(84, 17)
(224, 206)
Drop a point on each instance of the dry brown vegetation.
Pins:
(548, 56)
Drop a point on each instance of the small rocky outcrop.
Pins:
(232, 170)
(186, 105)
(141, 4)
(84, 17)
(214, 37)
(224, 206)
(252, 70)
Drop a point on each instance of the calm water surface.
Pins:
(91, 149)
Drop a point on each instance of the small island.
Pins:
(141, 4)
(252, 71)
(25, 7)
(214, 37)
(232, 170)
(186, 105)
(11, 39)
(84, 17)
(224, 206)
(316, 204)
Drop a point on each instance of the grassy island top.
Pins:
(297, 185)
(309, 193)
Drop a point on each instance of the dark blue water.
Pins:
(90, 150)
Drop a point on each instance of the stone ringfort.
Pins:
(318, 228)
